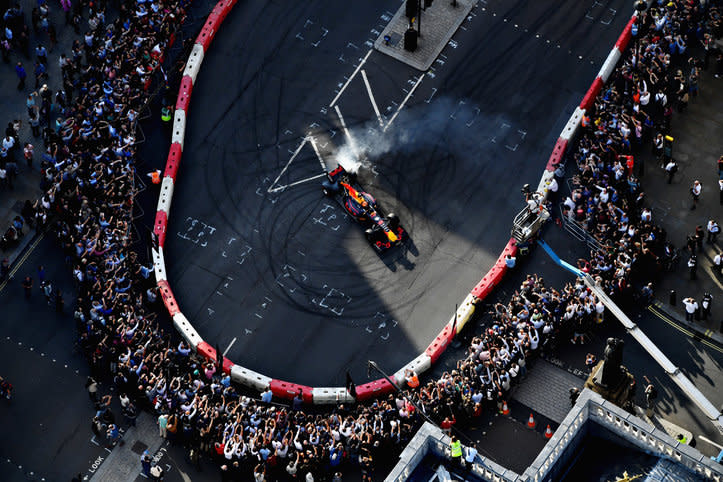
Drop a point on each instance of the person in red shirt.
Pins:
(447, 423)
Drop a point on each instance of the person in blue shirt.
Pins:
(335, 455)
(39, 73)
(146, 463)
(113, 434)
(20, 71)
(298, 401)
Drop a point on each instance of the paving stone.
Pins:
(124, 462)
(438, 24)
(547, 390)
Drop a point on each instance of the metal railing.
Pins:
(578, 231)
(710, 410)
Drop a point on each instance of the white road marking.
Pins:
(416, 84)
(296, 183)
(371, 98)
(358, 68)
(352, 144)
(293, 156)
(229, 346)
(318, 154)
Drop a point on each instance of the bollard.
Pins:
(672, 297)
(410, 40)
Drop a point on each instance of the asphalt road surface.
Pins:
(273, 272)
(46, 425)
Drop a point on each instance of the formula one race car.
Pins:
(382, 229)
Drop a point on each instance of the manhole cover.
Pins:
(394, 39)
(139, 447)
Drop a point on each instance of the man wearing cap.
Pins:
(693, 266)
(705, 305)
(146, 463)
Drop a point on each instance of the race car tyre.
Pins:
(326, 192)
(369, 233)
(393, 220)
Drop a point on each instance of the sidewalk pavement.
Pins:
(439, 22)
(697, 146)
(547, 390)
(662, 424)
(124, 461)
(12, 101)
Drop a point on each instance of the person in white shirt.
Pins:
(691, 306)
(713, 230)
(8, 143)
(695, 191)
(646, 215)
(671, 168)
(470, 455)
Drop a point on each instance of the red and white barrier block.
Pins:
(573, 124)
(423, 362)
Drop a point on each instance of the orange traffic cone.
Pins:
(531, 421)
(548, 433)
(505, 409)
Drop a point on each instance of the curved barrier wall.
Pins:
(568, 133)
(328, 395)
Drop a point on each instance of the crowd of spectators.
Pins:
(199, 407)
(88, 180)
(87, 126)
(631, 115)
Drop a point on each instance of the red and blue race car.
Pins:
(382, 230)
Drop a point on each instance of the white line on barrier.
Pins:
(358, 68)
(352, 144)
(411, 91)
(229, 346)
(371, 97)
